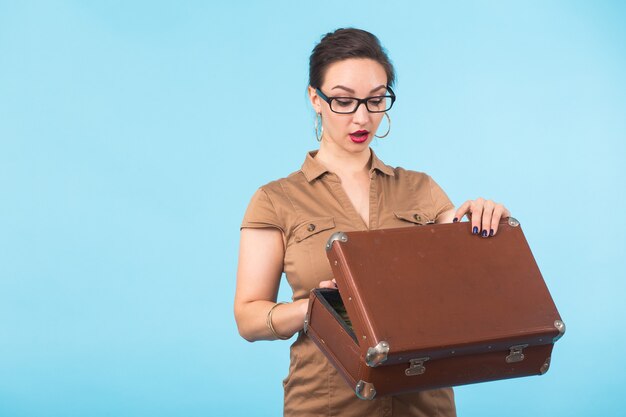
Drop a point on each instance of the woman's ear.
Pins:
(315, 100)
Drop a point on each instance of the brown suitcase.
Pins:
(433, 306)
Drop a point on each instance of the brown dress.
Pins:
(308, 206)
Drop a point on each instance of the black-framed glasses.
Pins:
(347, 105)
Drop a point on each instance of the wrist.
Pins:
(270, 324)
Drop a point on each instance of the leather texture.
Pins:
(435, 291)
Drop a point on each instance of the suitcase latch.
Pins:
(416, 367)
(516, 354)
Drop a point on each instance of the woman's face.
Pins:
(354, 77)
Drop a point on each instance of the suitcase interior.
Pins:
(331, 300)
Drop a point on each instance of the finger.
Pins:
(477, 211)
(487, 218)
(461, 211)
(498, 211)
(327, 284)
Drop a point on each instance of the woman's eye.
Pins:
(345, 103)
(376, 102)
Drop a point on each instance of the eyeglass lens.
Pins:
(349, 105)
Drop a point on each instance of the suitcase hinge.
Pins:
(516, 354)
(417, 366)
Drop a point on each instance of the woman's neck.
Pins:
(344, 163)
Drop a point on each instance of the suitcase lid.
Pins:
(424, 292)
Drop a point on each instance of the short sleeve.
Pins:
(440, 199)
(261, 212)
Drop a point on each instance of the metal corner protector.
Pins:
(340, 236)
(560, 326)
(365, 390)
(377, 354)
(544, 368)
(513, 222)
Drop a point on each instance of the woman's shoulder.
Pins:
(271, 204)
(409, 173)
(277, 186)
(410, 177)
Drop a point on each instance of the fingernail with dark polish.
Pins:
(491, 232)
(456, 219)
(475, 230)
(484, 233)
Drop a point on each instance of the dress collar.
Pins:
(313, 169)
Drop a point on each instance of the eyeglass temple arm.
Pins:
(322, 95)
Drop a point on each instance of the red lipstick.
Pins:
(359, 136)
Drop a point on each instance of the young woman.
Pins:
(342, 186)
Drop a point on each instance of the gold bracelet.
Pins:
(271, 326)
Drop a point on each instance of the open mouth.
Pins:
(359, 136)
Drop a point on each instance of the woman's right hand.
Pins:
(331, 283)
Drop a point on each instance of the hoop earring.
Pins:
(388, 129)
(319, 128)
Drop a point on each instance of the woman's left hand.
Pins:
(484, 214)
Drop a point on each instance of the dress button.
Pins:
(311, 227)
(417, 217)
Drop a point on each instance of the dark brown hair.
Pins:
(344, 44)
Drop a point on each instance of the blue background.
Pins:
(132, 135)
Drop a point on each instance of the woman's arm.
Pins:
(260, 267)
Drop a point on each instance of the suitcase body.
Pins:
(433, 306)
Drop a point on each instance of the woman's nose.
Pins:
(361, 115)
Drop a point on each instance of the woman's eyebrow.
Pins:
(379, 87)
(349, 90)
